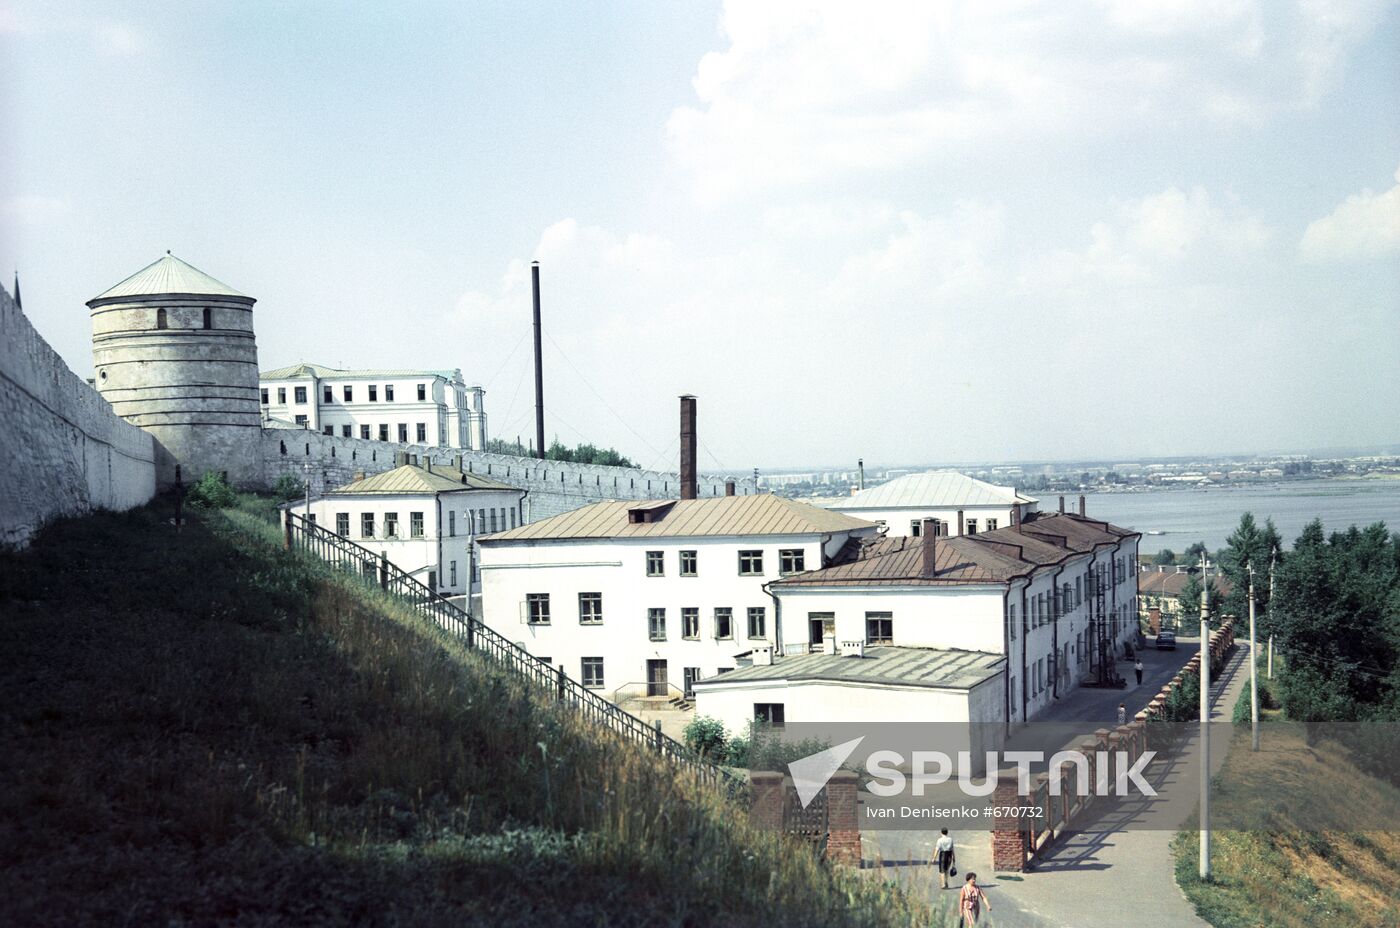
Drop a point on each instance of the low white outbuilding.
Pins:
(958, 504)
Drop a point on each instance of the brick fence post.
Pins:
(843, 819)
(766, 801)
(1009, 842)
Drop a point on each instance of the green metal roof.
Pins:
(321, 372)
(930, 667)
(413, 480)
(168, 276)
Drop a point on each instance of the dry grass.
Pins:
(200, 729)
(1287, 870)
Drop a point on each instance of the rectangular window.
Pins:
(383, 432)
(264, 395)
(348, 393)
(328, 430)
(537, 608)
(792, 560)
(366, 525)
(751, 563)
(391, 525)
(916, 528)
(493, 520)
(592, 671)
(656, 563)
(388, 393)
(480, 527)
(300, 420)
(451, 524)
(364, 432)
(656, 624)
(452, 565)
(590, 608)
(342, 524)
(282, 396)
(300, 394)
(770, 713)
(403, 433)
(690, 563)
(1011, 619)
(345, 431)
(422, 392)
(692, 674)
(373, 393)
(972, 526)
(422, 433)
(326, 394)
(512, 518)
(724, 622)
(879, 628)
(991, 525)
(690, 622)
(415, 525)
(758, 621)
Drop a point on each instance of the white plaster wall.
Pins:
(66, 453)
(967, 618)
(617, 569)
(898, 520)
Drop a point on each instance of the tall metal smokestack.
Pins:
(539, 365)
(1062, 505)
(688, 481)
(860, 469)
(1081, 504)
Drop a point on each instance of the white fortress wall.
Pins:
(66, 453)
(555, 486)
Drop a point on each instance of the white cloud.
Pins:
(120, 38)
(808, 90)
(1366, 225)
(36, 210)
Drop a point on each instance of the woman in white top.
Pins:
(944, 857)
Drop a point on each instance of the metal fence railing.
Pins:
(375, 569)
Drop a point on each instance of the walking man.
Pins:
(1137, 669)
(944, 857)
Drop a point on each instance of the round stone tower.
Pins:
(173, 352)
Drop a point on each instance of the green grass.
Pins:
(199, 728)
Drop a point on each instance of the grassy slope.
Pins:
(1290, 876)
(198, 729)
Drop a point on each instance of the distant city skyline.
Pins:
(904, 232)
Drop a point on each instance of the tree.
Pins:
(1192, 555)
(1164, 557)
(1247, 545)
(1190, 600)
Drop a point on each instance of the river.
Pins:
(1211, 514)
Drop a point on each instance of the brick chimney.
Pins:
(1015, 518)
(359, 475)
(928, 566)
(961, 527)
(729, 488)
(1081, 504)
(688, 480)
(1062, 505)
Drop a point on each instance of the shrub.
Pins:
(212, 492)
(288, 487)
(705, 736)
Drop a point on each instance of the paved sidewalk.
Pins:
(1102, 877)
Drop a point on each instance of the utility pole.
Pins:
(1205, 722)
(539, 365)
(1253, 669)
(1272, 557)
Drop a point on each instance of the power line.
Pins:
(595, 392)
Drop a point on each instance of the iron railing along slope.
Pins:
(377, 570)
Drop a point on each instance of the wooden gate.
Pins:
(810, 823)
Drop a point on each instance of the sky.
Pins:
(908, 232)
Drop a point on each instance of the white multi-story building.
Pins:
(1020, 615)
(425, 518)
(958, 504)
(649, 597)
(403, 406)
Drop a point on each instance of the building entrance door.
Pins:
(821, 626)
(656, 678)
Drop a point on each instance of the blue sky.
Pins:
(909, 232)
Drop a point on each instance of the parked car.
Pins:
(1166, 640)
